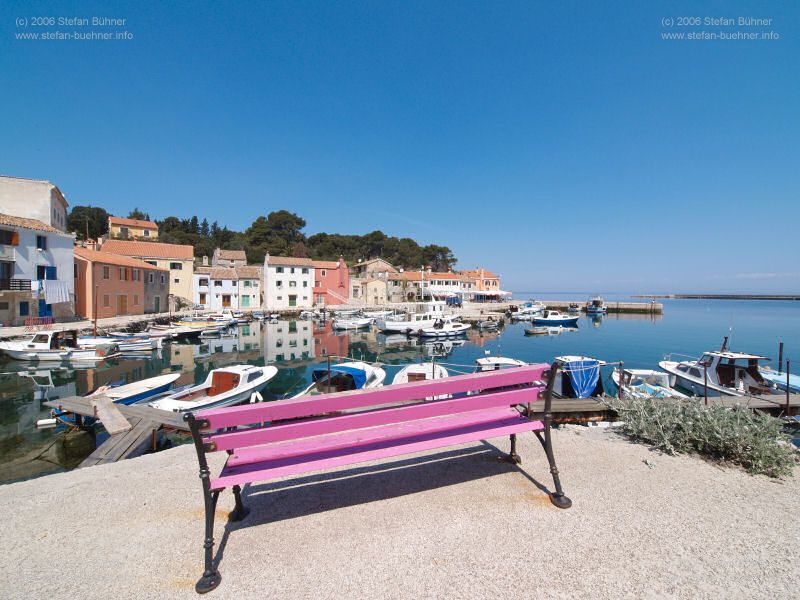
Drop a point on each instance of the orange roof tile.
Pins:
(325, 264)
(131, 222)
(113, 259)
(148, 249)
(232, 255)
(290, 261)
(13, 221)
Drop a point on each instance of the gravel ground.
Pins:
(451, 524)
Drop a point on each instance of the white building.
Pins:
(217, 288)
(33, 199)
(288, 282)
(37, 272)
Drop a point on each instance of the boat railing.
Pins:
(668, 357)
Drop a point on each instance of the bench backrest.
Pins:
(312, 415)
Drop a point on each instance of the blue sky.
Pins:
(564, 145)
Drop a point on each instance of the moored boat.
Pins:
(226, 386)
(596, 306)
(54, 346)
(720, 373)
(354, 323)
(420, 372)
(780, 380)
(443, 328)
(426, 314)
(553, 317)
(344, 377)
(645, 383)
(578, 377)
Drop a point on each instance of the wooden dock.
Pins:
(133, 438)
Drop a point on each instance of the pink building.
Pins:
(331, 282)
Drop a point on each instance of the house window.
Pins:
(24, 308)
(217, 284)
(176, 280)
(292, 284)
(324, 272)
(3, 305)
(203, 282)
(163, 278)
(176, 266)
(75, 270)
(150, 278)
(137, 275)
(291, 270)
(279, 283)
(305, 284)
(202, 298)
(305, 271)
(248, 283)
(146, 233)
(280, 297)
(106, 300)
(106, 273)
(41, 242)
(9, 238)
(136, 299)
(279, 269)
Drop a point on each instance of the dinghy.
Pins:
(420, 372)
(645, 383)
(226, 386)
(354, 323)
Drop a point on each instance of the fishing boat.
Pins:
(553, 317)
(174, 332)
(54, 346)
(645, 383)
(443, 328)
(354, 323)
(780, 380)
(578, 377)
(719, 373)
(574, 308)
(226, 386)
(425, 315)
(344, 377)
(596, 306)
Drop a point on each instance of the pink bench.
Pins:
(289, 437)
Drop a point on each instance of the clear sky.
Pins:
(565, 145)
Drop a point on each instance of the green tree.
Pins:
(138, 214)
(88, 218)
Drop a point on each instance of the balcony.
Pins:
(15, 285)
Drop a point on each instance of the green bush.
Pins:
(742, 437)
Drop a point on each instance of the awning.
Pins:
(491, 293)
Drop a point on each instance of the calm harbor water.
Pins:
(687, 327)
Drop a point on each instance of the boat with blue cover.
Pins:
(344, 377)
(578, 377)
(780, 379)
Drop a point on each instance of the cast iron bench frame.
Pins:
(444, 412)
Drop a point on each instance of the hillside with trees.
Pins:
(281, 234)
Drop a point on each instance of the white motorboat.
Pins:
(225, 386)
(377, 314)
(721, 373)
(527, 310)
(425, 315)
(596, 306)
(578, 377)
(553, 317)
(354, 323)
(574, 308)
(645, 383)
(494, 363)
(344, 377)
(126, 344)
(138, 390)
(443, 328)
(420, 372)
(54, 346)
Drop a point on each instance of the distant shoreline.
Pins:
(722, 296)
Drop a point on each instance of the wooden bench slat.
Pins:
(308, 406)
(428, 434)
(385, 416)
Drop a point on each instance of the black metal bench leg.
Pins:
(513, 457)
(211, 577)
(240, 511)
(558, 498)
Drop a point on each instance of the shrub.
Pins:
(751, 439)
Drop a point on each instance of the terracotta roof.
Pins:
(223, 273)
(148, 249)
(114, 259)
(131, 222)
(477, 273)
(202, 270)
(375, 260)
(249, 272)
(290, 261)
(231, 254)
(28, 224)
(325, 264)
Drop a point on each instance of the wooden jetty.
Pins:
(132, 429)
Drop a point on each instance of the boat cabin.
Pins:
(736, 370)
(54, 340)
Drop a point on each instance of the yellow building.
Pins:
(178, 258)
(131, 229)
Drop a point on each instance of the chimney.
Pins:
(205, 260)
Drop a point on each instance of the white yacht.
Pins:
(728, 374)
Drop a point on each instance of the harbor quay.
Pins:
(457, 523)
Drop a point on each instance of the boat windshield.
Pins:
(706, 360)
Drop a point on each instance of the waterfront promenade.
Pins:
(452, 524)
